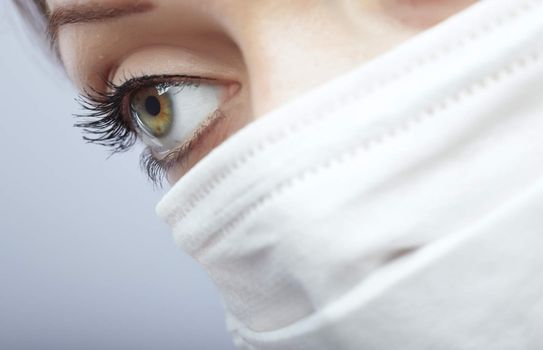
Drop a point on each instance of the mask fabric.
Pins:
(397, 207)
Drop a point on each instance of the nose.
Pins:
(289, 47)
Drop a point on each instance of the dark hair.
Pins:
(35, 13)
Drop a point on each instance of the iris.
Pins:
(152, 111)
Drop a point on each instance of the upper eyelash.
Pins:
(106, 122)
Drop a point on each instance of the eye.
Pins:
(167, 114)
(170, 114)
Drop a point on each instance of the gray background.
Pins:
(84, 262)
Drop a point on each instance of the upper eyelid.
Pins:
(133, 83)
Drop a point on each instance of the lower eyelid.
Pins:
(182, 158)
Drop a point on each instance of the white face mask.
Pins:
(398, 207)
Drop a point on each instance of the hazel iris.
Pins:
(152, 111)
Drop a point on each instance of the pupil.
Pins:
(152, 105)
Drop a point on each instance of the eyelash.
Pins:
(107, 121)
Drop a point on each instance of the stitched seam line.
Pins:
(201, 193)
(368, 144)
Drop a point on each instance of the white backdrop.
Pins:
(84, 262)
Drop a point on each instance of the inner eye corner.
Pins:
(128, 112)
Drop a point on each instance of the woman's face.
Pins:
(186, 74)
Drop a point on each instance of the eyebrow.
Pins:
(85, 13)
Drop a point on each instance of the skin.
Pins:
(263, 53)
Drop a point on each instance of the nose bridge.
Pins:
(290, 46)
(287, 47)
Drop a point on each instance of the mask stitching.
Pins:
(202, 192)
(367, 144)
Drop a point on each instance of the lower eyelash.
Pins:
(153, 167)
(157, 169)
